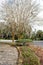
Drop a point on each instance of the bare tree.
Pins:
(19, 14)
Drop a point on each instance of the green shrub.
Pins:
(24, 40)
(29, 57)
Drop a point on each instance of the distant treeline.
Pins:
(34, 36)
(37, 35)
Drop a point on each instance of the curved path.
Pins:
(8, 55)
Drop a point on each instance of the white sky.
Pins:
(40, 15)
(1, 1)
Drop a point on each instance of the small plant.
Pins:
(29, 57)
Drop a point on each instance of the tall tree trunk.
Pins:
(12, 37)
(12, 25)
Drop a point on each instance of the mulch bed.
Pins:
(38, 51)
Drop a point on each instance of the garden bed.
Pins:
(38, 51)
(28, 56)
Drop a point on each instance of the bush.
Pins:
(24, 40)
(29, 57)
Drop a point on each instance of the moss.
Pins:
(29, 57)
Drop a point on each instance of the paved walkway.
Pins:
(8, 55)
(6, 41)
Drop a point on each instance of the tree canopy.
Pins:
(18, 14)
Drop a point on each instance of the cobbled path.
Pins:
(8, 55)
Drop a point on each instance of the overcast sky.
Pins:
(39, 26)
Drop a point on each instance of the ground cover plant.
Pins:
(29, 57)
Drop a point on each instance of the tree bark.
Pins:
(12, 38)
